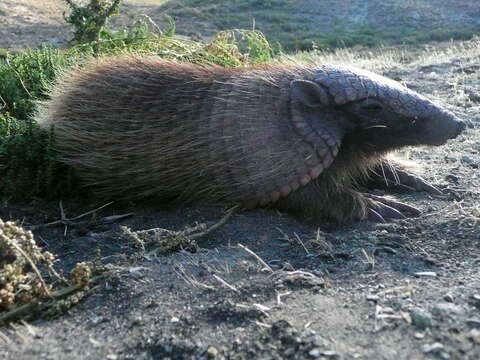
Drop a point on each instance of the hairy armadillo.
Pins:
(295, 136)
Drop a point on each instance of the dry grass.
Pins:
(383, 59)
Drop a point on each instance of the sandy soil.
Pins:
(403, 290)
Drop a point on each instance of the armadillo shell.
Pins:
(142, 127)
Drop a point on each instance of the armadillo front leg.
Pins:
(382, 209)
(316, 203)
(388, 174)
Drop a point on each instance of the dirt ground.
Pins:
(31, 23)
(403, 290)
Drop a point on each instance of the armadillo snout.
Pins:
(456, 127)
(447, 127)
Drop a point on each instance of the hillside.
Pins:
(295, 24)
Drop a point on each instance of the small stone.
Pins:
(473, 323)
(289, 352)
(137, 321)
(430, 274)
(373, 298)
(419, 335)
(444, 355)
(97, 320)
(452, 178)
(421, 318)
(476, 300)
(315, 353)
(466, 159)
(111, 357)
(473, 95)
(212, 352)
(448, 298)
(432, 348)
(152, 304)
(330, 354)
(474, 335)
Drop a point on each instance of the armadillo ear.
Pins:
(308, 93)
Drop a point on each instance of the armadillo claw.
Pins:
(374, 216)
(417, 183)
(404, 180)
(381, 209)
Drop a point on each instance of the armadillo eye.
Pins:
(372, 106)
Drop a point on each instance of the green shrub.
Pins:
(27, 159)
(25, 78)
(89, 21)
(28, 162)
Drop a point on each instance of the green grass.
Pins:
(282, 23)
(28, 164)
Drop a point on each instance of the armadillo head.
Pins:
(379, 112)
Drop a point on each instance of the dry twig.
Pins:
(73, 221)
(258, 258)
(223, 282)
